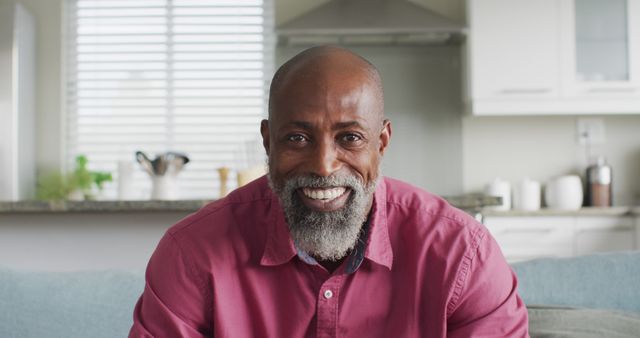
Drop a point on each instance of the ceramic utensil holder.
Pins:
(164, 187)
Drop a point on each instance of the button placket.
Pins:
(328, 306)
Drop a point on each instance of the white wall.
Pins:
(49, 118)
(81, 241)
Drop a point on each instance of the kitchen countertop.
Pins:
(100, 206)
(467, 202)
(585, 211)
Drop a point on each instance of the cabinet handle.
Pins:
(612, 90)
(512, 91)
(528, 231)
(618, 228)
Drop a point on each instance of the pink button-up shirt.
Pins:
(232, 270)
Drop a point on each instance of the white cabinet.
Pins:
(506, 40)
(600, 56)
(528, 237)
(533, 57)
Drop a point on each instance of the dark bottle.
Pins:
(599, 179)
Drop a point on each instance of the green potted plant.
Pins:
(78, 185)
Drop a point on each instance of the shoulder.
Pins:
(448, 237)
(243, 213)
(413, 201)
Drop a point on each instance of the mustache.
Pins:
(314, 181)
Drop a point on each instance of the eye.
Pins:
(351, 138)
(297, 138)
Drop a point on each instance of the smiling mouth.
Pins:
(325, 199)
(325, 194)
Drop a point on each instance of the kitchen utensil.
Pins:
(169, 162)
(526, 195)
(564, 193)
(145, 162)
(160, 164)
(163, 171)
(599, 182)
(502, 189)
(176, 161)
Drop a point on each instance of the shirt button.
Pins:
(328, 294)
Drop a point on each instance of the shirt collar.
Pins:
(379, 246)
(279, 247)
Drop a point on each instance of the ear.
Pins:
(264, 131)
(385, 136)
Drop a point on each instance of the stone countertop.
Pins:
(467, 202)
(100, 206)
(585, 211)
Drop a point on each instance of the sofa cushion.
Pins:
(68, 304)
(557, 322)
(602, 281)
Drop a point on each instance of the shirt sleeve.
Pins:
(486, 302)
(174, 302)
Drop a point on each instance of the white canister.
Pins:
(499, 188)
(126, 190)
(526, 195)
(164, 187)
(564, 193)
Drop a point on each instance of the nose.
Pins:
(325, 161)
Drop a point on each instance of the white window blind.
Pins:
(168, 75)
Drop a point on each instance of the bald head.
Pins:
(322, 66)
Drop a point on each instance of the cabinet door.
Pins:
(514, 49)
(601, 234)
(601, 49)
(523, 238)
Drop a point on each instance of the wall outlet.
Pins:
(590, 131)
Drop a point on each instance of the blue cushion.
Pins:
(602, 281)
(68, 304)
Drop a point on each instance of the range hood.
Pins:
(370, 22)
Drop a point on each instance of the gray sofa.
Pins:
(602, 289)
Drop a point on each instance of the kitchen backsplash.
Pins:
(543, 147)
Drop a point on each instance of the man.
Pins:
(324, 246)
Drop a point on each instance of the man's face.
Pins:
(325, 141)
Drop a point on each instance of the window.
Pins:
(168, 75)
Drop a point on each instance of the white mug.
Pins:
(564, 193)
(526, 195)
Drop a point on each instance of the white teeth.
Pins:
(323, 194)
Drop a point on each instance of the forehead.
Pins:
(327, 97)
